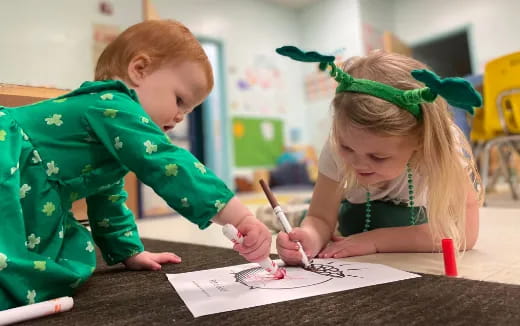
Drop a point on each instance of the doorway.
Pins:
(448, 55)
(196, 133)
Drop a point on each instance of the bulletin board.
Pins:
(258, 142)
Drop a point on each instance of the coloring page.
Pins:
(242, 286)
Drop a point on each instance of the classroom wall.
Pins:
(329, 26)
(494, 24)
(49, 43)
(250, 31)
(379, 14)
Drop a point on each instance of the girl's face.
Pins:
(374, 158)
(170, 92)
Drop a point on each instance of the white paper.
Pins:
(243, 286)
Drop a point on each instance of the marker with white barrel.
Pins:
(270, 266)
(35, 310)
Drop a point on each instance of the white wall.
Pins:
(328, 26)
(49, 43)
(250, 31)
(494, 24)
(378, 13)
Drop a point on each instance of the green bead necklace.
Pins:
(368, 210)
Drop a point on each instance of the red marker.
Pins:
(450, 262)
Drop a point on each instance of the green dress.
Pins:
(81, 145)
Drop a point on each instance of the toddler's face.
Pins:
(171, 92)
(374, 158)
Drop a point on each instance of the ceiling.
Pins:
(296, 4)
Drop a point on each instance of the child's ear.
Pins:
(138, 68)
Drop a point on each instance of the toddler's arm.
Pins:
(257, 240)
(113, 224)
(130, 136)
(115, 232)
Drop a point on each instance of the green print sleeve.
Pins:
(175, 174)
(113, 224)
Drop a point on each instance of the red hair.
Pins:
(164, 41)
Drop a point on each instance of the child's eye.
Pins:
(378, 158)
(346, 148)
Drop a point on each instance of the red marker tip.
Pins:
(280, 274)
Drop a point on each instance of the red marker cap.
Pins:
(450, 262)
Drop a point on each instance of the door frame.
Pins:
(216, 120)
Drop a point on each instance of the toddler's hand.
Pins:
(354, 245)
(288, 249)
(151, 261)
(257, 239)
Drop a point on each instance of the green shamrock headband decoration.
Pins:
(457, 91)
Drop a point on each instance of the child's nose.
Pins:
(179, 117)
(357, 162)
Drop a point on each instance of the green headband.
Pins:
(458, 92)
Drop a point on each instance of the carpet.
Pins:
(115, 296)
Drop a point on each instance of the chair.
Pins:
(497, 124)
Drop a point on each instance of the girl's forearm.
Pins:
(321, 229)
(415, 238)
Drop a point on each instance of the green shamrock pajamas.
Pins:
(81, 145)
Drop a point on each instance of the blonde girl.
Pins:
(396, 174)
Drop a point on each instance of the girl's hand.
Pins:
(257, 239)
(288, 249)
(151, 261)
(354, 245)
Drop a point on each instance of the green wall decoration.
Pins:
(258, 142)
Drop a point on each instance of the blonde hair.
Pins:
(439, 158)
(163, 41)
